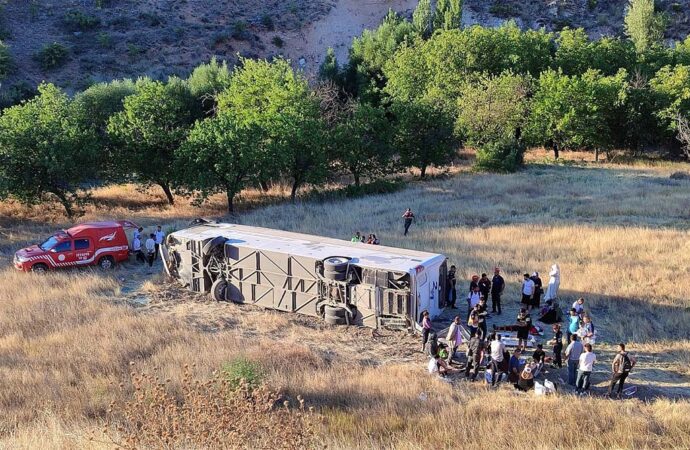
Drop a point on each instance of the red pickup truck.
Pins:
(87, 244)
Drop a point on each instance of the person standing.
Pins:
(426, 328)
(137, 233)
(621, 367)
(557, 345)
(482, 312)
(554, 283)
(150, 249)
(584, 370)
(473, 300)
(159, 240)
(484, 286)
(136, 249)
(475, 354)
(498, 284)
(573, 352)
(474, 283)
(573, 324)
(536, 298)
(408, 217)
(527, 292)
(451, 281)
(454, 338)
(524, 323)
(497, 349)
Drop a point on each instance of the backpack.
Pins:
(625, 365)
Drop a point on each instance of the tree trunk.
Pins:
(231, 201)
(65, 203)
(422, 171)
(555, 150)
(596, 154)
(168, 192)
(264, 186)
(293, 193)
(356, 176)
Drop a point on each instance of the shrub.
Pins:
(278, 41)
(242, 371)
(503, 10)
(500, 156)
(591, 4)
(206, 414)
(5, 61)
(76, 20)
(151, 19)
(239, 30)
(52, 56)
(105, 40)
(267, 21)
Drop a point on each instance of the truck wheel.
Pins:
(337, 276)
(334, 311)
(39, 268)
(218, 289)
(330, 320)
(106, 263)
(336, 263)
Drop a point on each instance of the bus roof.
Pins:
(317, 247)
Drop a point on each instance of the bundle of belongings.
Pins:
(550, 313)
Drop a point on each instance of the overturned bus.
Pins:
(342, 282)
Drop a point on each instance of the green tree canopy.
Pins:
(423, 134)
(45, 150)
(643, 25)
(207, 81)
(423, 18)
(576, 53)
(671, 86)
(448, 14)
(361, 142)
(154, 123)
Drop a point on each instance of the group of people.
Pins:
(359, 237)
(490, 350)
(151, 245)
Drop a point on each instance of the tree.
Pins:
(361, 142)
(277, 102)
(643, 25)
(423, 18)
(220, 154)
(576, 53)
(44, 150)
(6, 64)
(423, 135)
(207, 81)
(672, 88)
(577, 111)
(329, 69)
(448, 15)
(154, 123)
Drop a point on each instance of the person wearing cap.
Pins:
(527, 292)
(498, 284)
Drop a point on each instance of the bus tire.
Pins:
(218, 289)
(336, 263)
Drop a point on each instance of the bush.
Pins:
(105, 40)
(5, 61)
(205, 414)
(267, 21)
(242, 371)
(239, 31)
(503, 10)
(151, 19)
(52, 56)
(278, 41)
(76, 20)
(500, 156)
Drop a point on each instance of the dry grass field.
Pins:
(620, 232)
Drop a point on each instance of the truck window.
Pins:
(81, 244)
(63, 246)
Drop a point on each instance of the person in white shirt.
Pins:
(150, 249)
(497, 349)
(584, 370)
(527, 292)
(579, 306)
(136, 249)
(473, 299)
(137, 233)
(454, 338)
(159, 240)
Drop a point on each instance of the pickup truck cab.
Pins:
(94, 243)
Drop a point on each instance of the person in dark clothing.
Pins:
(497, 286)
(452, 293)
(426, 328)
(524, 323)
(538, 290)
(475, 354)
(484, 286)
(557, 345)
(539, 354)
(481, 311)
(408, 217)
(621, 367)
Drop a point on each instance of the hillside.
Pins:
(108, 39)
(618, 231)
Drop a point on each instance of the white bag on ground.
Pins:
(432, 366)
